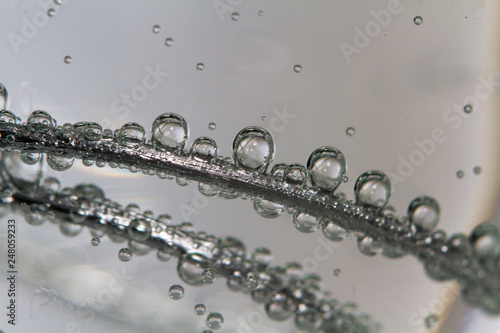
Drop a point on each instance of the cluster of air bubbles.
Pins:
(418, 20)
(125, 254)
(253, 149)
(176, 292)
(67, 59)
(214, 320)
(373, 189)
(468, 108)
(156, 28)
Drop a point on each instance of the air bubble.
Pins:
(350, 131)
(77, 215)
(460, 174)
(369, 246)
(169, 132)
(326, 168)
(333, 232)
(468, 108)
(200, 66)
(260, 12)
(7, 118)
(209, 276)
(191, 268)
(139, 230)
(51, 12)
(60, 163)
(212, 126)
(67, 59)
(337, 272)
(477, 170)
(92, 131)
(95, 241)
(3, 102)
(423, 213)
(262, 258)
(485, 240)
(169, 42)
(163, 255)
(131, 135)
(58, 2)
(214, 320)
(200, 309)
(30, 158)
(125, 254)
(306, 223)
(253, 148)
(235, 16)
(40, 122)
(267, 209)
(418, 20)
(51, 184)
(297, 68)
(204, 149)
(431, 321)
(373, 188)
(156, 28)
(295, 175)
(280, 307)
(176, 292)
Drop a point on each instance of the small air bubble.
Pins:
(263, 118)
(51, 12)
(95, 241)
(337, 272)
(200, 309)
(156, 29)
(350, 131)
(235, 16)
(125, 254)
(418, 20)
(460, 174)
(477, 170)
(260, 12)
(468, 108)
(58, 2)
(169, 41)
(67, 59)
(212, 126)
(297, 68)
(200, 66)
(176, 292)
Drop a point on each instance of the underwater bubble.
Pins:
(176, 292)
(69, 229)
(92, 131)
(295, 175)
(138, 248)
(278, 172)
(169, 132)
(253, 148)
(460, 174)
(260, 12)
(280, 307)
(418, 20)
(337, 272)
(181, 181)
(468, 108)
(253, 282)
(477, 170)
(423, 213)
(77, 215)
(350, 131)
(204, 149)
(95, 241)
(58, 2)
(4, 99)
(40, 122)
(191, 267)
(212, 126)
(60, 163)
(214, 320)
(297, 68)
(262, 257)
(431, 321)
(267, 209)
(369, 246)
(209, 276)
(131, 135)
(169, 41)
(163, 255)
(235, 16)
(156, 28)
(326, 167)
(88, 191)
(67, 59)
(308, 319)
(139, 230)
(485, 240)
(50, 184)
(306, 223)
(208, 190)
(125, 254)
(372, 188)
(7, 118)
(30, 158)
(200, 309)
(200, 66)
(333, 232)
(51, 12)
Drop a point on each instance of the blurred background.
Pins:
(397, 72)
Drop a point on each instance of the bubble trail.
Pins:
(382, 232)
(195, 251)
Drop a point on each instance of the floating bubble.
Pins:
(40, 122)
(212, 126)
(337, 272)
(60, 163)
(51, 12)
(50, 184)
(214, 320)
(372, 188)
(423, 213)
(209, 276)
(297, 68)
(67, 59)
(308, 319)
(468, 108)
(295, 175)
(278, 172)
(200, 66)
(280, 307)
(460, 174)
(30, 158)
(431, 321)
(169, 41)
(156, 28)
(350, 131)
(139, 230)
(235, 16)
(477, 170)
(485, 240)
(169, 132)
(163, 255)
(69, 229)
(58, 2)
(204, 149)
(77, 215)
(131, 135)
(200, 309)
(260, 12)
(208, 190)
(334, 232)
(253, 282)
(253, 148)
(306, 223)
(95, 241)
(267, 209)
(176, 292)
(369, 246)
(418, 20)
(326, 168)
(125, 254)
